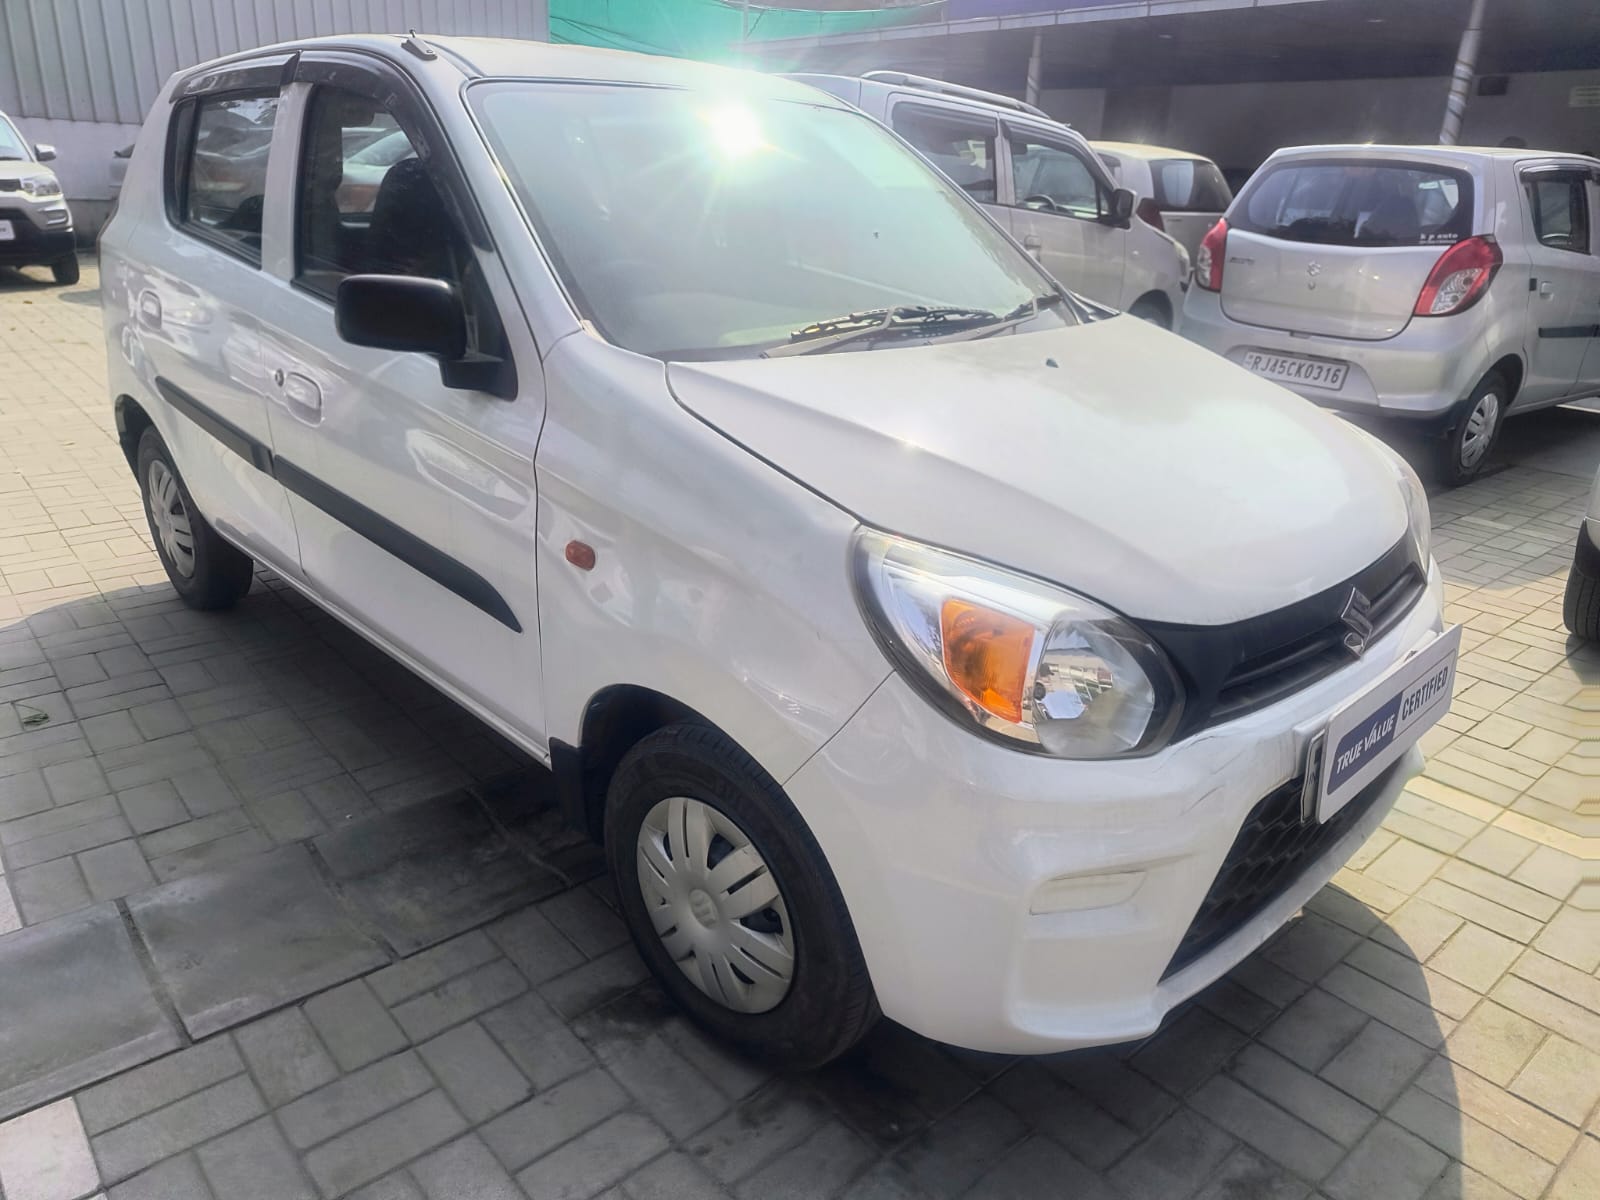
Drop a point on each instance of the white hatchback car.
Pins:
(916, 637)
(1039, 179)
(1444, 286)
(1180, 193)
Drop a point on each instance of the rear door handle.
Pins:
(1032, 244)
(1546, 288)
(303, 393)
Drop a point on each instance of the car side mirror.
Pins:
(44, 152)
(1122, 205)
(423, 316)
(401, 312)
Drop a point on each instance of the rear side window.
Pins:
(221, 177)
(1189, 185)
(1559, 206)
(1358, 204)
(960, 146)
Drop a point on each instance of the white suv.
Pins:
(35, 223)
(917, 637)
(1445, 286)
(1039, 179)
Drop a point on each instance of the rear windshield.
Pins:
(1189, 185)
(1358, 204)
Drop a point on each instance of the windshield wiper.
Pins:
(899, 320)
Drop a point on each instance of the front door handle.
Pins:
(1546, 288)
(303, 393)
(1032, 244)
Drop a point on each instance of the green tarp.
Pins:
(709, 29)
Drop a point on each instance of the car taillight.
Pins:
(1150, 213)
(1208, 262)
(1461, 275)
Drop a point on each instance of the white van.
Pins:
(919, 638)
(1039, 179)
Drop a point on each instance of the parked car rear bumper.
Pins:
(1422, 373)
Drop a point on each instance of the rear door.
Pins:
(1564, 278)
(1341, 247)
(190, 282)
(1058, 203)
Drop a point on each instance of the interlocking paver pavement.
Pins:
(1428, 1028)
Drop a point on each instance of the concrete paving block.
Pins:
(553, 1117)
(354, 1026)
(464, 1170)
(158, 1084)
(172, 1179)
(431, 871)
(474, 1071)
(237, 943)
(384, 1143)
(285, 1055)
(590, 1163)
(77, 1007)
(359, 1097)
(44, 1155)
(254, 1163)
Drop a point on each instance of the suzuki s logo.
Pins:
(1313, 270)
(1357, 617)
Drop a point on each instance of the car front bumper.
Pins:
(1422, 372)
(31, 243)
(1015, 903)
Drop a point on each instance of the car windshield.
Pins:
(1358, 204)
(1189, 185)
(696, 226)
(11, 144)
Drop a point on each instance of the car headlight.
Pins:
(40, 186)
(1017, 659)
(1417, 513)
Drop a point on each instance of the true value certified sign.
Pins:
(1370, 732)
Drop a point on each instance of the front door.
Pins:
(414, 500)
(1564, 288)
(1058, 210)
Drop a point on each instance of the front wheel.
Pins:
(205, 571)
(1148, 308)
(65, 270)
(1581, 608)
(731, 902)
(1465, 449)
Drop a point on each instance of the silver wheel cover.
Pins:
(170, 518)
(1481, 422)
(715, 905)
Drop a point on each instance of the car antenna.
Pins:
(414, 43)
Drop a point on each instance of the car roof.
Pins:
(485, 57)
(1466, 155)
(1142, 150)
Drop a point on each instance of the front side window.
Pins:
(1055, 179)
(689, 225)
(223, 172)
(367, 205)
(960, 146)
(1559, 206)
(1358, 204)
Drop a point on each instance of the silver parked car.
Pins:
(1039, 179)
(1180, 193)
(1444, 285)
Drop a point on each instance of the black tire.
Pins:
(1464, 452)
(1148, 308)
(65, 270)
(1581, 608)
(221, 574)
(829, 1005)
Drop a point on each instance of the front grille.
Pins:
(1273, 849)
(10, 185)
(1231, 670)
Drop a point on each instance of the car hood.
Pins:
(21, 169)
(1112, 458)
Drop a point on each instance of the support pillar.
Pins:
(1030, 93)
(1461, 81)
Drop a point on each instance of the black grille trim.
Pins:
(1273, 849)
(1229, 671)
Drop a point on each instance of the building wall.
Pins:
(81, 73)
(1238, 125)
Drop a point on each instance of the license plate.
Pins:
(1287, 368)
(7, 233)
(1370, 732)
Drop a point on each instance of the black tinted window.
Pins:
(1560, 211)
(1189, 185)
(224, 170)
(961, 147)
(1358, 204)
